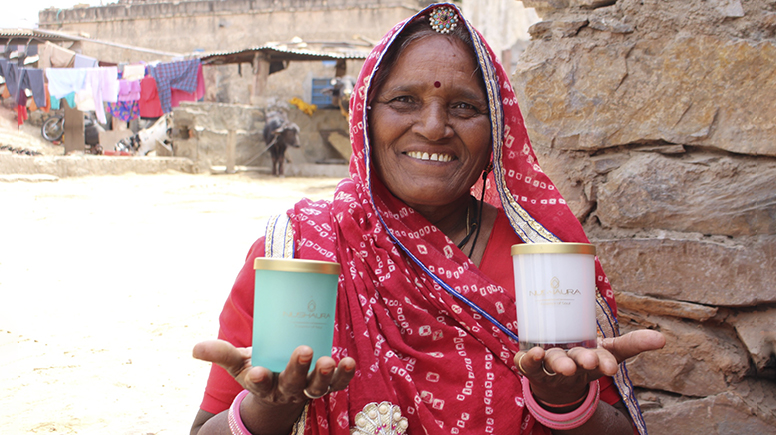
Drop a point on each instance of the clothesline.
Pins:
(137, 90)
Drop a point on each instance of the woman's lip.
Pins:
(433, 157)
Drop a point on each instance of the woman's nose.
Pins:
(433, 123)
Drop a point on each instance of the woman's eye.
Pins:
(402, 99)
(402, 103)
(464, 109)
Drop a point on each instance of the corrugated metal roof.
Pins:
(278, 53)
(21, 36)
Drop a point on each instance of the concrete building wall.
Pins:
(186, 27)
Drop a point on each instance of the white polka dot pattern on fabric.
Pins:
(436, 359)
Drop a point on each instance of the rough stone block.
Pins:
(709, 194)
(688, 89)
(696, 360)
(606, 24)
(729, 8)
(757, 329)
(723, 414)
(708, 272)
(661, 307)
(562, 4)
(570, 172)
(555, 29)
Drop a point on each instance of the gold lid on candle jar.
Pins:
(296, 265)
(553, 248)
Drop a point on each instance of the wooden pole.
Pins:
(341, 69)
(74, 130)
(260, 75)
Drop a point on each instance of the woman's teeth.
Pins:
(426, 156)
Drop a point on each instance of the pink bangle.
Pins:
(565, 405)
(235, 421)
(569, 420)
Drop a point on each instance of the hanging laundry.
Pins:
(11, 74)
(18, 79)
(3, 66)
(129, 90)
(150, 106)
(84, 100)
(179, 75)
(47, 107)
(69, 98)
(53, 56)
(125, 110)
(177, 95)
(63, 81)
(109, 81)
(82, 61)
(104, 86)
(33, 104)
(133, 72)
(32, 79)
(21, 109)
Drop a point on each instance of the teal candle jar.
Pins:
(294, 303)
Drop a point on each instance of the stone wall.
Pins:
(202, 130)
(185, 28)
(190, 26)
(657, 121)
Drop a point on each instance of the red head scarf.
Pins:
(418, 345)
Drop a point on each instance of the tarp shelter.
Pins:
(271, 58)
(27, 36)
(10, 38)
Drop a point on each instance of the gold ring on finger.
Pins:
(310, 396)
(547, 372)
(520, 363)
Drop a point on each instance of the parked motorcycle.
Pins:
(53, 130)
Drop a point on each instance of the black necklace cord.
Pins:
(468, 227)
(479, 212)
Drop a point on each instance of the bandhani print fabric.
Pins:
(125, 110)
(400, 310)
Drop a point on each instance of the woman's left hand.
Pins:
(559, 377)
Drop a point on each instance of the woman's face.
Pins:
(429, 124)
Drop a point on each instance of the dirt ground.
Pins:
(26, 137)
(106, 284)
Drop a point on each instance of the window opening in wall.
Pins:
(320, 98)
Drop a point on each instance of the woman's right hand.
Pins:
(277, 398)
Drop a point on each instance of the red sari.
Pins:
(402, 310)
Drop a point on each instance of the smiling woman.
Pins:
(431, 143)
(443, 181)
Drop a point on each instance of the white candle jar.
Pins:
(555, 294)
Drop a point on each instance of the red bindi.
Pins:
(437, 84)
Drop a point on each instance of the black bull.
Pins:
(279, 134)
